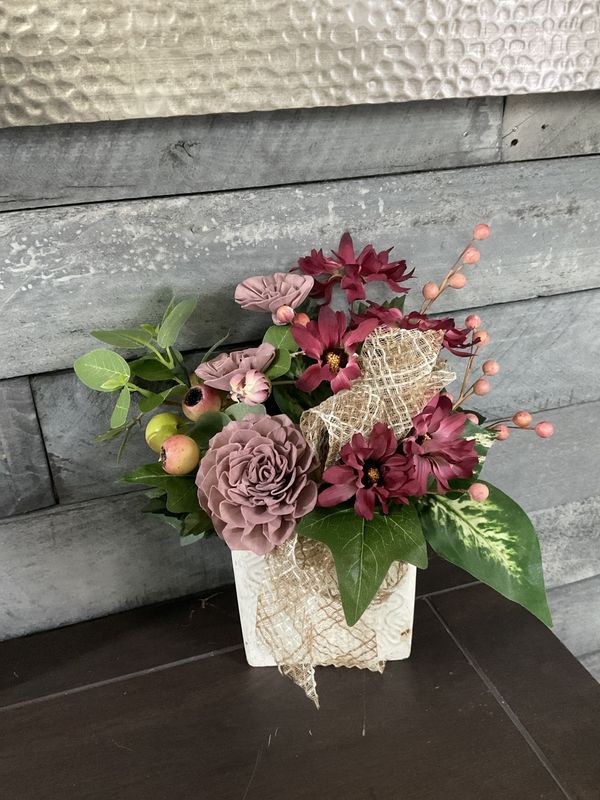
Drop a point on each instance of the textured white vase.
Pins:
(392, 619)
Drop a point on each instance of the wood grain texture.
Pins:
(67, 270)
(86, 560)
(575, 610)
(551, 125)
(81, 163)
(24, 475)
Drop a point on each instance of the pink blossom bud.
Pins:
(522, 419)
(490, 367)
(481, 338)
(544, 429)
(479, 492)
(481, 231)
(472, 322)
(471, 255)
(250, 387)
(284, 315)
(301, 319)
(473, 418)
(457, 281)
(481, 387)
(503, 432)
(430, 290)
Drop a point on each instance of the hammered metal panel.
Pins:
(80, 60)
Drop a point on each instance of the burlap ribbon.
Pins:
(299, 618)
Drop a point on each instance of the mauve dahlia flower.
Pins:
(274, 292)
(219, 371)
(435, 447)
(328, 342)
(353, 271)
(254, 482)
(371, 471)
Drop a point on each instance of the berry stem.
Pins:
(462, 396)
(456, 267)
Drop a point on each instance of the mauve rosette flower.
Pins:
(281, 292)
(219, 371)
(328, 342)
(435, 447)
(255, 482)
(371, 471)
(250, 387)
(353, 271)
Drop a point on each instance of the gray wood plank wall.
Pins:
(99, 222)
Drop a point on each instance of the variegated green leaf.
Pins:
(484, 439)
(494, 541)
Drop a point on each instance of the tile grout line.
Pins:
(497, 695)
(448, 589)
(121, 678)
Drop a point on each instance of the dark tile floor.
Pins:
(159, 704)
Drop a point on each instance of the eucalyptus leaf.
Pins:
(108, 435)
(209, 353)
(241, 410)
(174, 321)
(363, 550)
(281, 364)
(100, 368)
(127, 338)
(494, 541)
(121, 409)
(150, 369)
(155, 399)
(280, 336)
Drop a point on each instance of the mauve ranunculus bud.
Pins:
(271, 292)
(250, 387)
(219, 371)
(254, 482)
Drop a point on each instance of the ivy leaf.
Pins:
(121, 409)
(494, 541)
(281, 365)
(209, 353)
(207, 426)
(364, 550)
(174, 321)
(126, 338)
(149, 369)
(180, 490)
(240, 410)
(102, 370)
(280, 336)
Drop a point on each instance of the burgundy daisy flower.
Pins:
(435, 447)
(353, 271)
(371, 471)
(328, 342)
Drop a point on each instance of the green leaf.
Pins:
(121, 409)
(293, 402)
(494, 541)
(280, 336)
(102, 370)
(364, 550)
(127, 338)
(153, 400)
(180, 490)
(207, 426)
(151, 329)
(484, 439)
(197, 525)
(281, 365)
(209, 353)
(396, 302)
(149, 369)
(174, 321)
(240, 410)
(108, 435)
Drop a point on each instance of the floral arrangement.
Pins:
(337, 427)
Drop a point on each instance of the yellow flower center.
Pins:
(374, 475)
(333, 362)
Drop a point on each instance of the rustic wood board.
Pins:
(551, 125)
(67, 270)
(82, 163)
(25, 482)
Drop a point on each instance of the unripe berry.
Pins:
(479, 492)
(481, 338)
(544, 429)
(481, 231)
(430, 290)
(471, 255)
(481, 387)
(522, 419)
(200, 399)
(472, 322)
(503, 432)
(473, 418)
(179, 454)
(284, 315)
(160, 428)
(490, 367)
(457, 281)
(301, 319)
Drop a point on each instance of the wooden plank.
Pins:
(367, 740)
(60, 164)
(592, 663)
(24, 475)
(575, 612)
(67, 270)
(551, 125)
(77, 562)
